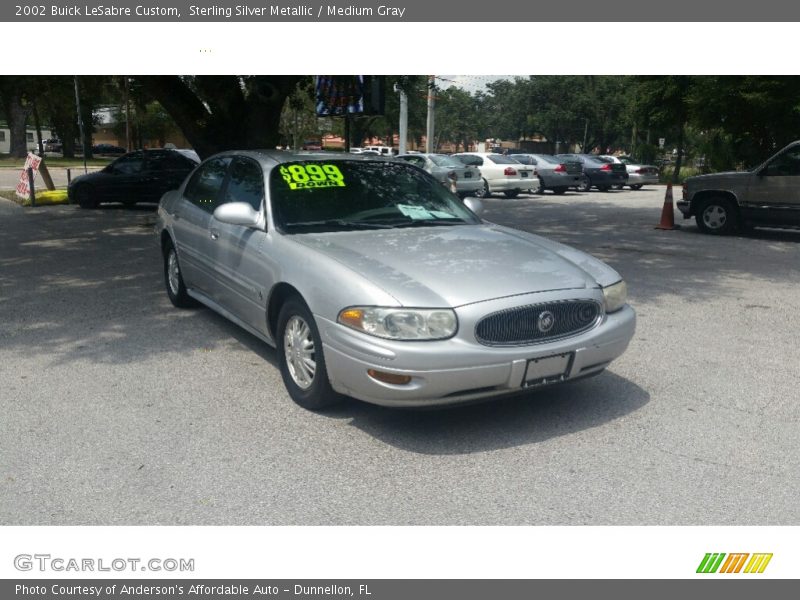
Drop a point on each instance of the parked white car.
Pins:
(500, 173)
(638, 175)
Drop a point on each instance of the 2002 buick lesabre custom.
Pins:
(374, 281)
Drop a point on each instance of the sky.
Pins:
(471, 83)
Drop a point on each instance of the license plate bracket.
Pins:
(547, 369)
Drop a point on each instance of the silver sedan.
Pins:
(374, 281)
(449, 171)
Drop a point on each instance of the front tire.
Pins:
(483, 192)
(717, 216)
(300, 358)
(539, 189)
(84, 197)
(173, 279)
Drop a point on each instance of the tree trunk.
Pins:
(17, 114)
(679, 159)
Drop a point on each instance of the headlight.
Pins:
(616, 295)
(401, 323)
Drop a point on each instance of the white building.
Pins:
(30, 135)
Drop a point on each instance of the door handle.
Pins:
(214, 234)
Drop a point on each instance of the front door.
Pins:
(774, 191)
(242, 265)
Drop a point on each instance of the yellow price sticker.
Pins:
(311, 175)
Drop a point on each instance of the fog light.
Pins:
(392, 378)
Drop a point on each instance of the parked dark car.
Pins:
(599, 174)
(107, 149)
(140, 176)
(553, 173)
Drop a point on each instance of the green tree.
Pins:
(223, 112)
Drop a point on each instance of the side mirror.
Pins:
(475, 205)
(238, 213)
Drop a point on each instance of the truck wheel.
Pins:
(717, 216)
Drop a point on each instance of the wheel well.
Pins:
(165, 238)
(701, 197)
(279, 295)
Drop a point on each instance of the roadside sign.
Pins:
(23, 186)
(661, 142)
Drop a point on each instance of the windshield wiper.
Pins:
(340, 223)
(424, 222)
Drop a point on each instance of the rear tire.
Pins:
(300, 357)
(173, 279)
(511, 193)
(717, 216)
(636, 186)
(539, 189)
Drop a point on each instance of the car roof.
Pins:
(272, 157)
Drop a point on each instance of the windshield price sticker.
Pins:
(307, 176)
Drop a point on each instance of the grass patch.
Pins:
(43, 198)
(54, 161)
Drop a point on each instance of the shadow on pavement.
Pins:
(525, 418)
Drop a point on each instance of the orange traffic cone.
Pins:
(668, 212)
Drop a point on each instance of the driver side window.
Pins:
(785, 165)
(204, 188)
(128, 165)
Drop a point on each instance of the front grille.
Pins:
(536, 323)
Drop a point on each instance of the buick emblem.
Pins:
(545, 321)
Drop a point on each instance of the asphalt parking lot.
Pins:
(118, 409)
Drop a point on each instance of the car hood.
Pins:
(722, 175)
(457, 265)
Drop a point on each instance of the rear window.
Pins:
(442, 160)
(499, 159)
(525, 159)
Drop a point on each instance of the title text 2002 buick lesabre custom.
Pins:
(374, 281)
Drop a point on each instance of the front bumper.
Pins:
(511, 183)
(640, 179)
(685, 207)
(469, 185)
(460, 369)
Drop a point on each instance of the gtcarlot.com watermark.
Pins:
(58, 564)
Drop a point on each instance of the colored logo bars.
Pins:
(733, 563)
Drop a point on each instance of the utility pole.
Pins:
(585, 133)
(80, 123)
(431, 107)
(403, 118)
(127, 117)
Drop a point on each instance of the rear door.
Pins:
(164, 170)
(192, 224)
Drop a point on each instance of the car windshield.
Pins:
(347, 195)
(442, 160)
